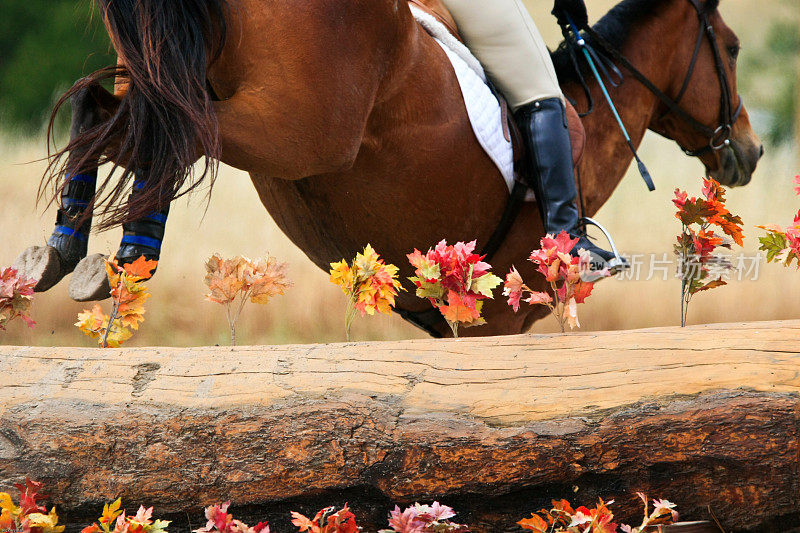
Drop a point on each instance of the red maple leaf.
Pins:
(681, 197)
(562, 242)
(29, 493)
(582, 291)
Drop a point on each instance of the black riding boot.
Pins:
(544, 127)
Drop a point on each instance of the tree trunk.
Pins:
(496, 427)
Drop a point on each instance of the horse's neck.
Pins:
(604, 163)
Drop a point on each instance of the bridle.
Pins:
(719, 137)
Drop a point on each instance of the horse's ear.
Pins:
(711, 6)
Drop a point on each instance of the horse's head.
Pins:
(716, 127)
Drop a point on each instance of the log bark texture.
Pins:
(706, 415)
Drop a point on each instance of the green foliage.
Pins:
(45, 45)
(784, 45)
(776, 62)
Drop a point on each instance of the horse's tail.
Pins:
(166, 118)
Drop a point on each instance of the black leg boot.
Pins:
(544, 126)
(142, 237)
(71, 234)
(67, 246)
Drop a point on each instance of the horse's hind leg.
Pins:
(141, 237)
(68, 244)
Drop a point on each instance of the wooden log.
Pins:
(703, 416)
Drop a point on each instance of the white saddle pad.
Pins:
(482, 106)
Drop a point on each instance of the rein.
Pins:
(719, 137)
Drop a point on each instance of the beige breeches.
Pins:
(505, 40)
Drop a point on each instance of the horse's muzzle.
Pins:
(737, 162)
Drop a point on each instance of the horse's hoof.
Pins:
(89, 280)
(43, 264)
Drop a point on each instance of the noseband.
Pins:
(719, 137)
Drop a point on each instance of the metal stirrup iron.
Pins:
(615, 265)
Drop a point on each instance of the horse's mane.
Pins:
(615, 27)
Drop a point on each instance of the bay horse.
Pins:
(350, 121)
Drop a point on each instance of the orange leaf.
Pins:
(534, 523)
(582, 291)
(457, 310)
(141, 268)
(563, 506)
(300, 521)
(711, 285)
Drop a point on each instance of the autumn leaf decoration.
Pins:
(562, 271)
(562, 518)
(698, 267)
(220, 521)
(28, 516)
(116, 521)
(233, 282)
(455, 280)
(328, 520)
(369, 283)
(420, 518)
(16, 297)
(128, 294)
(783, 245)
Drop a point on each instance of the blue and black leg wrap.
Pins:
(142, 237)
(71, 234)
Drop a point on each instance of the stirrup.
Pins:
(615, 265)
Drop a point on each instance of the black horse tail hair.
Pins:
(164, 121)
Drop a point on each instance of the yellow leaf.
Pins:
(45, 523)
(118, 335)
(342, 275)
(111, 511)
(113, 272)
(366, 263)
(7, 504)
(92, 323)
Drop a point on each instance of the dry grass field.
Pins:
(236, 223)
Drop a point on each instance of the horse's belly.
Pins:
(410, 199)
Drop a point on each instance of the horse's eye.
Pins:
(734, 51)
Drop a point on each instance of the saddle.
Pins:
(577, 134)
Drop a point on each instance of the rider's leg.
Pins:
(504, 38)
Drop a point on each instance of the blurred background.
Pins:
(47, 44)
